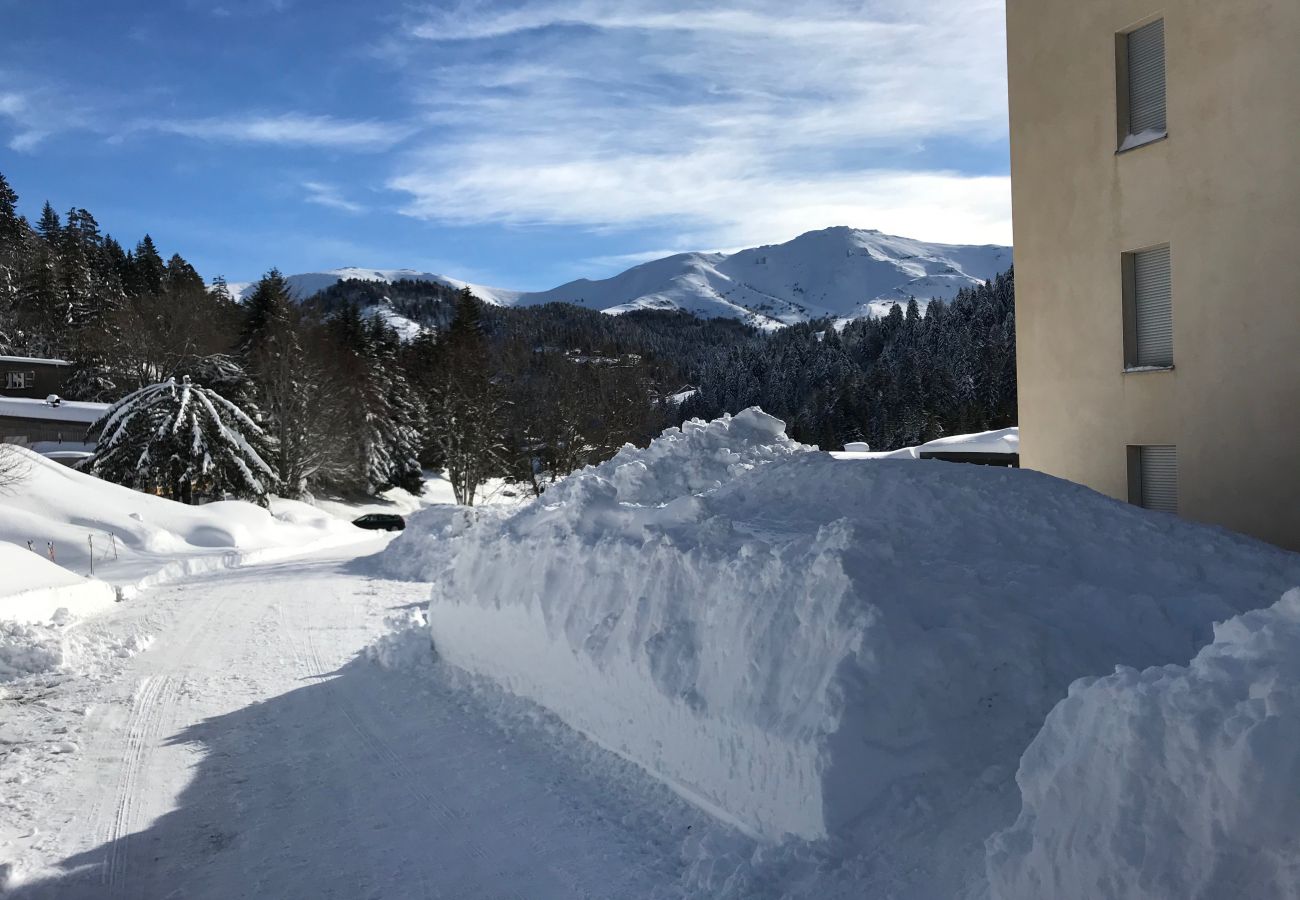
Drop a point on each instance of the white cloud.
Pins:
(329, 196)
(286, 129)
(730, 123)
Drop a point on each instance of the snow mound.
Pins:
(27, 650)
(131, 539)
(808, 649)
(1173, 782)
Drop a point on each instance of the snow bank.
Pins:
(1174, 782)
(811, 649)
(138, 539)
(32, 589)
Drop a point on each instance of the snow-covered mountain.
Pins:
(306, 284)
(837, 272)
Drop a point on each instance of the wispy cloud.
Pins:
(733, 123)
(329, 196)
(30, 124)
(292, 129)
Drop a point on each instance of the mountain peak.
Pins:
(836, 272)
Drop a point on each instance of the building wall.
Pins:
(49, 379)
(1223, 190)
(30, 431)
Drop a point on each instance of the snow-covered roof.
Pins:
(30, 360)
(1004, 440)
(66, 411)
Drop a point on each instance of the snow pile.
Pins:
(804, 648)
(29, 649)
(138, 539)
(1170, 783)
(32, 588)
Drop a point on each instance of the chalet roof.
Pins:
(65, 411)
(33, 360)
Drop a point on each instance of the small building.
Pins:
(987, 448)
(26, 376)
(52, 427)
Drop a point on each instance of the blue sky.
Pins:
(515, 144)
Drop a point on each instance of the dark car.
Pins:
(380, 522)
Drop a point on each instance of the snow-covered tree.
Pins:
(182, 441)
(467, 407)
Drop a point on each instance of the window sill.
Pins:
(1136, 141)
(1138, 370)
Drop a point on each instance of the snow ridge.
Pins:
(806, 647)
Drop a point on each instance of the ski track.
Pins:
(258, 754)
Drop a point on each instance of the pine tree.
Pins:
(182, 441)
(146, 270)
(467, 407)
(14, 241)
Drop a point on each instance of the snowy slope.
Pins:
(138, 539)
(859, 653)
(838, 272)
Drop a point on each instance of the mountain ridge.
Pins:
(837, 272)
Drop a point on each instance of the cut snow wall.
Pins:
(1172, 783)
(807, 648)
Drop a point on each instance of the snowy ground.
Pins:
(257, 749)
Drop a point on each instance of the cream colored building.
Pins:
(1155, 161)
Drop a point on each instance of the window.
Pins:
(1153, 477)
(18, 381)
(1148, 310)
(1141, 61)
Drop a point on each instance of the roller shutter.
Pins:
(1160, 478)
(1146, 79)
(1153, 308)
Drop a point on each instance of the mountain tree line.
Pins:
(892, 382)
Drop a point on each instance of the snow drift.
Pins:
(812, 649)
(32, 588)
(1172, 783)
(138, 539)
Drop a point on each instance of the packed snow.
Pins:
(131, 540)
(855, 656)
(1170, 783)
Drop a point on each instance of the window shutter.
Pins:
(1146, 79)
(1153, 306)
(1160, 478)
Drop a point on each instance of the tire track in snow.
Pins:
(152, 700)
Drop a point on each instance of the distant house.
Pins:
(53, 427)
(25, 376)
(987, 448)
